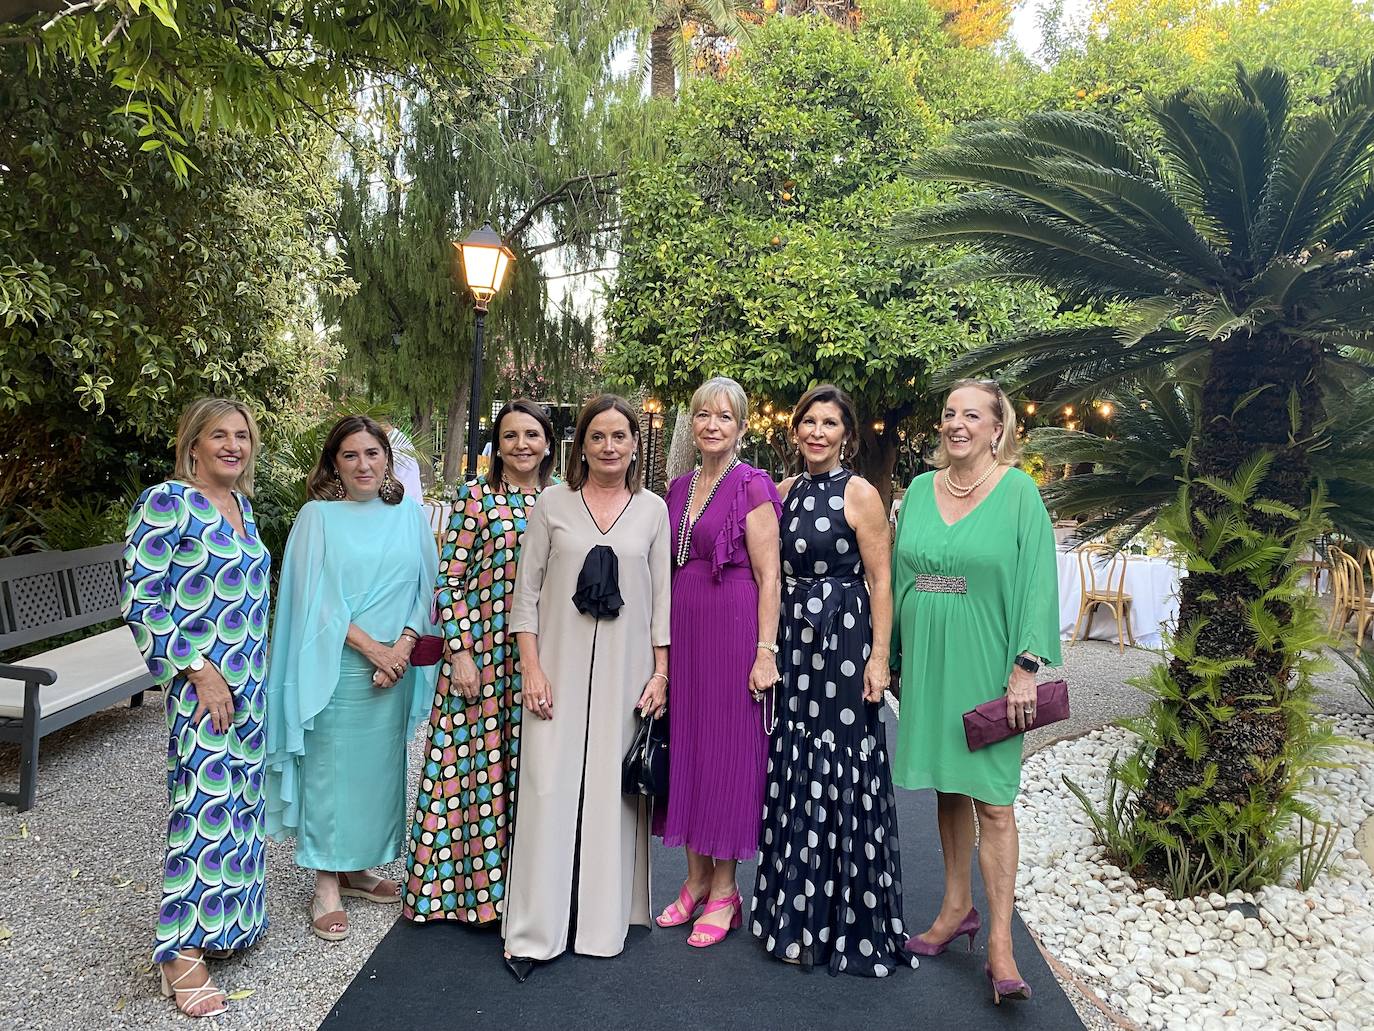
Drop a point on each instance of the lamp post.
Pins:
(485, 258)
(653, 408)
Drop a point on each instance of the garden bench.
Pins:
(44, 595)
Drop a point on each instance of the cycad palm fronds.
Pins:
(1237, 220)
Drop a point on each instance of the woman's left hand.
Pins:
(764, 674)
(877, 677)
(655, 697)
(1021, 699)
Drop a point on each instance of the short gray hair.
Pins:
(722, 386)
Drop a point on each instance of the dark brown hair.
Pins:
(536, 412)
(828, 392)
(322, 485)
(576, 473)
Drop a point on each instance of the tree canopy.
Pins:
(182, 69)
(754, 249)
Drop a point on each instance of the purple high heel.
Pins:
(970, 925)
(1013, 988)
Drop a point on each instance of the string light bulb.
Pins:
(1068, 410)
(1030, 407)
(1106, 409)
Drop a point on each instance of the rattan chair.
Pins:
(1352, 599)
(1110, 571)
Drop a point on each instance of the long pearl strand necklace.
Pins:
(684, 541)
(958, 491)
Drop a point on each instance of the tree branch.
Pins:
(564, 192)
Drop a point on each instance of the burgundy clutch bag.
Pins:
(428, 650)
(987, 723)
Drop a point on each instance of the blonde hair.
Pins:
(722, 386)
(198, 417)
(1008, 449)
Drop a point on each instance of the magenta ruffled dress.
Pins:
(717, 740)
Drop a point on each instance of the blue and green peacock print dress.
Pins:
(194, 586)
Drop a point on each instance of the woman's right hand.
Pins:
(212, 696)
(537, 692)
(463, 675)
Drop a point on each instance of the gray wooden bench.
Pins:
(41, 596)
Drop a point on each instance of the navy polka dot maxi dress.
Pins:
(829, 891)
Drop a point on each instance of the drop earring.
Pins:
(339, 492)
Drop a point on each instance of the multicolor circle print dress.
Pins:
(193, 586)
(460, 835)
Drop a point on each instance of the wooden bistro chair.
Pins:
(434, 512)
(1102, 581)
(1352, 598)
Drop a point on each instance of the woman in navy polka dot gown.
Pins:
(829, 891)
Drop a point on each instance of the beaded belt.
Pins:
(935, 584)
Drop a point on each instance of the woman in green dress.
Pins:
(975, 615)
(342, 698)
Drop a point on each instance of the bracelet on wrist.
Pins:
(658, 675)
(772, 647)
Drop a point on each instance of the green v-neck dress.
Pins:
(956, 650)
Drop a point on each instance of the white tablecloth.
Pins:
(1152, 584)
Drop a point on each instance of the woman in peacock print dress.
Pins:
(465, 810)
(196, 598)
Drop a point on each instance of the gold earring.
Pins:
(339, 491)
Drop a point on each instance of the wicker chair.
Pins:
(1100, 561)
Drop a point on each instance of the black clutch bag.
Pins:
(644, 770)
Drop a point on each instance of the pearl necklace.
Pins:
(958, 491)
(689, 525)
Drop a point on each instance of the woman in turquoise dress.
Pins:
(355, 594)
(465, 806)
(196, 597)
(976, 614)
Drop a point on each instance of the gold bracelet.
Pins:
(663, 675)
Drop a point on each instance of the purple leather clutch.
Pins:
(428, 650)
(987, 723)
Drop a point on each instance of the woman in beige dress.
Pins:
(591, 619)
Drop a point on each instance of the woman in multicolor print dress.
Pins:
(196, 597)
(466, 806)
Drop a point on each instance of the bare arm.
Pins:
(761, 539)
(863, 508)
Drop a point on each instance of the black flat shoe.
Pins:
(520, 968)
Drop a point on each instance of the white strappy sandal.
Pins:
(199, 993)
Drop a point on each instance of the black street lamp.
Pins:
(485, 260)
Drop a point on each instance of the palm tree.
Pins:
(675, 21)
(1235, 243)
(1132, 475)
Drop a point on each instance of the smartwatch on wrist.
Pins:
(1027, 663)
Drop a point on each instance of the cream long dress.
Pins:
(576, 832)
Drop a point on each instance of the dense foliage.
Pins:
(754, 249)
(182, 69)
(124, 293)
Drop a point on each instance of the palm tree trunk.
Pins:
(662, 73)
(1236, 423)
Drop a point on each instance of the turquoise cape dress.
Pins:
(336, 743)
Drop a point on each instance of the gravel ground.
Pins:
(78, 877)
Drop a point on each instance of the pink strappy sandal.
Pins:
(679, 912)
(705, 935)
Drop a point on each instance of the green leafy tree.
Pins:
(538, 154)
(182, 69)
(754, 249)
(1239, 244)
(124, 292)
(1125, 51)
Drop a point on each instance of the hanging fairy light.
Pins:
(1030, 407)
(1105, 409)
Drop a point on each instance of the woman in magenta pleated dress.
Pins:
(723, 662)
